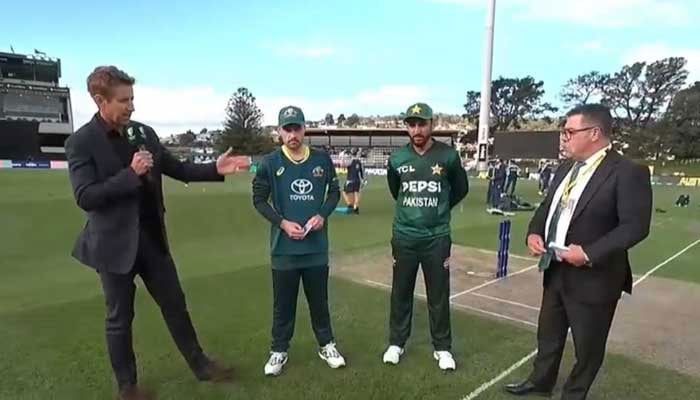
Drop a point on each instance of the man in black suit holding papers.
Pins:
(599, 207)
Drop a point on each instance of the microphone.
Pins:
(137, 138)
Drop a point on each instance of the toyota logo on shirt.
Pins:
(301, 189)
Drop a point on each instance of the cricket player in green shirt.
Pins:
(296, 189)
(426, 178)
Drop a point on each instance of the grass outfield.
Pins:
(51, 308)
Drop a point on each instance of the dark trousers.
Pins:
(157, 270)
(285, 288)
(590, 325)
(489, 192)
(433, 257)
(544, 183)
(496, 194)
(510, 186)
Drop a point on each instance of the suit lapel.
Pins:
(560, 175)
(599, 176)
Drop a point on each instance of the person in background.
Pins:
(512, 172)
(354, 181)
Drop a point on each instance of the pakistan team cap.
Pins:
(290, 115)
(420, 111)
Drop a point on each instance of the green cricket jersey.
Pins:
(425, 188)
(296, 191)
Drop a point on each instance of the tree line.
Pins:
(656, 114)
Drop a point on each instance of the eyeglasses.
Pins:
(567, 133)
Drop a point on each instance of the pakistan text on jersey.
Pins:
(420, 202)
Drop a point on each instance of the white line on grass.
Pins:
(483, 285)
(673, 257)
(509, 255)
(513, 303)
(493, 314)
(528, 357)
(384, 285)
(487, 385)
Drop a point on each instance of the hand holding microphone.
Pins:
(142, 161)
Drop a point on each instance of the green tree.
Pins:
(584, 88)
(243, 127)
(638, 95)
(682, 122)
(513, 100)
(186, 139)
(352, 120)
(341, 119)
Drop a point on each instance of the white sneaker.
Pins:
(275, 363)
(331, 356)
(392, 355)
(445, 360)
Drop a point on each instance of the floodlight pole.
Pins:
(482, 153)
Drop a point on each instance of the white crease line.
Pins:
(509, 255)
(487, 385)
(483, 285)
(384, 285)
(525, 359)
(493, 314)
(514, 303)
(673, 257)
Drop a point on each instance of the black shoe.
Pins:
(356, 210)
(527, 388)
(215, 372)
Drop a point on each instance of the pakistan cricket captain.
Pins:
(296, 189)
(426, 179)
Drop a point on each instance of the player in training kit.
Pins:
(353, 183)
(426, 178)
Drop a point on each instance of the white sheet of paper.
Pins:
(307, 229)
(558, 250)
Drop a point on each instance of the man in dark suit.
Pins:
(599, 207)
(116, 167)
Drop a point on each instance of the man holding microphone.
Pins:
(115, 169)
